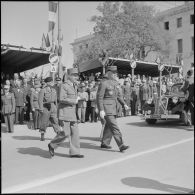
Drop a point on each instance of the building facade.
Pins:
(178, 23)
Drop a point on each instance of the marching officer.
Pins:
(67, 115)
(8, 108)
(107, 97)
(47, 105)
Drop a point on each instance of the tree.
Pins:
(124, 28)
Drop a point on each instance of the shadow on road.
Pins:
(90, 138)
(141, 182)
(39, 152)
(27, 137)
(163, 124)
(88, 146)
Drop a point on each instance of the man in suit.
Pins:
(8, 108)
(48, 110)
(107, 97)
(67, 116)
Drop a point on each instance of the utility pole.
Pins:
(59, 42)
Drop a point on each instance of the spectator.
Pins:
(82, 103)
(20, 102)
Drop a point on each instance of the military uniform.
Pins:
(107, 97)
(68, 118)
(47, 105)
(8, 109)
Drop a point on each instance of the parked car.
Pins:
(170, 106)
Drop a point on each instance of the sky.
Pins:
(24, 22)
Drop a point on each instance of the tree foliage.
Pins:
(124, 28)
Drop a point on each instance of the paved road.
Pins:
(160, 160)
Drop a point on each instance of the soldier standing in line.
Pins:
(8, 108)
(107, 97)
(67, 116)
(48, 109)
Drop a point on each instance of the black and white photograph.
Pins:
(97, 97)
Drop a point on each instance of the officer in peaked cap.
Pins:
(107, 96)
(67, 116)
(47, 105)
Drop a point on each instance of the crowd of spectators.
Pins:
(135, 92)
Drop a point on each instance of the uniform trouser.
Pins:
(93, 115)
(142, 103)
(133, 107)
(36, 119)
(19, 114)
(111, 129)
(27, 116)
(47, 116)
(9, 121)
(71, 131)
(81, 114)
(88, 111)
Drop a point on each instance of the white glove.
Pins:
(78, 98)
(126, 107)
(102, 114)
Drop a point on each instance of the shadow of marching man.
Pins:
(141, 182)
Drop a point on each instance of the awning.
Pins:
(90, 66)
(19, 59)
(142, 67)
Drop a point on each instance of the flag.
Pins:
(52, 14)
(47, 41)
(43, 45)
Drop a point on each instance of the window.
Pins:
(86, 45)
(192, 38)
(180, 45)
(166, 25)
(179, 22)
(192, 19)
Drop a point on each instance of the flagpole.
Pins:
(59, 42)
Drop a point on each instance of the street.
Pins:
(160, 160)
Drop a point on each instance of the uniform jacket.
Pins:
(48, 95)
(34, 100)
(20, 96)
(67, 104)
(82, 103)
(8, 103)
(107, 95)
